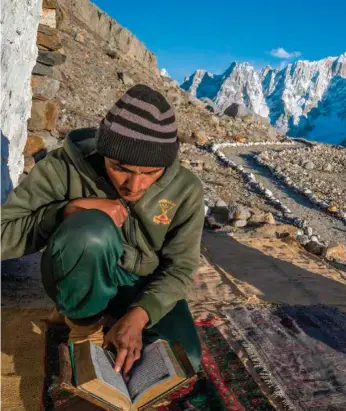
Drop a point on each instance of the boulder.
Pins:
(48, 38)
(44, 115)
(236, 110)
(44, 87)
(50, 58)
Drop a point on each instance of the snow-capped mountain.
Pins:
(307, 98)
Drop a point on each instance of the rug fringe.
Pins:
(262, 371)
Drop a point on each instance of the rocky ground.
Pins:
(319, 168)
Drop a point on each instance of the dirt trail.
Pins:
(328, 227)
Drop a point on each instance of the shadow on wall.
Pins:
(6, 182)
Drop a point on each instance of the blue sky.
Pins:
(186, 35)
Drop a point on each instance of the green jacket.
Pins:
(164, 244)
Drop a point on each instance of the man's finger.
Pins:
(119, 362)
(137, 354)
(130, 359)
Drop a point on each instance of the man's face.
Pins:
(132, 181)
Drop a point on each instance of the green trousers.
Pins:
(80, 272)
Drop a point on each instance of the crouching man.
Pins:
(121, 221)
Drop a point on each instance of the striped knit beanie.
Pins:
(140, 129)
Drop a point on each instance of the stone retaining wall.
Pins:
(45, 110)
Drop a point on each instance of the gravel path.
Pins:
(328, 227)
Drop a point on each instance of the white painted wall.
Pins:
(18, 25)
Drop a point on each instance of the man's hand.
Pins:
(126, 336)
(114, 208)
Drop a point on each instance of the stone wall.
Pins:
(19, 24)
(45, 110)
(117, 37)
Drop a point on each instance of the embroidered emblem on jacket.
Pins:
(163, 218)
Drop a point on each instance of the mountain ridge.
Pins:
(303, 99)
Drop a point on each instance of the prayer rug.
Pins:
(300, 351)
(223, 384)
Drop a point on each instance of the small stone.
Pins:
(269, 219)
(241, 213)
(239, 223)
(302, 239)
(197, 165)
(49, 4)
(48, 17)
(34, 144)
(215, 120)
(29, 164)
(50, 58)
(268, 193)
(239, 139)
(208, 167)
(44, 115)
(199, 137)
(42, 70)
(328, 168)
(314, 248)
(336, 252)
(211, 222)
(220, 214)
(126, 79)
(220, 203)
(185, 163)
(308, 231)
(315, 239)
(48, 38)
(44, 87)
(332, 208)
(299, 232)
(309, 165)
(112, 53)
(79, 36)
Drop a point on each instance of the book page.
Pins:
(154, 366)
(103, 361)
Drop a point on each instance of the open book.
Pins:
(159, 371)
